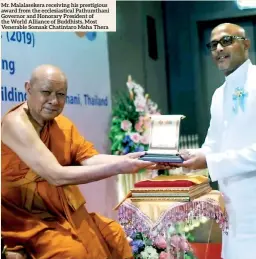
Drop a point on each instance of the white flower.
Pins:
(140, 103)
(171, 230)
(149, 253)
(152, 107)
(138, 89)
(130, 85)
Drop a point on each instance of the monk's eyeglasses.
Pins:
(224, 42)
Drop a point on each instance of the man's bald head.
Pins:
(233, 29)
(46, 92)
(229, 47)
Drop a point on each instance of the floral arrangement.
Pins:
(177, 247)
(130, 123)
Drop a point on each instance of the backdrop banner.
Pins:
(84, 59)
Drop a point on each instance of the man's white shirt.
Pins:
(230, 149)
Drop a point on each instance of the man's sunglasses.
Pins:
(224, 41)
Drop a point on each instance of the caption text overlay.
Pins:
(65, 15)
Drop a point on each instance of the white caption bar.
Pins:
(61, 15)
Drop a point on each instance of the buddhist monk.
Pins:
(43, 159)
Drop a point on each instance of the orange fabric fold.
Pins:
(50, 221)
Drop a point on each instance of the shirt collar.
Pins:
(239, 75)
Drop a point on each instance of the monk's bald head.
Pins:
(46, 92)
(229, 46)
(45, 73)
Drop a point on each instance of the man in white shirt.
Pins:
(229, 150)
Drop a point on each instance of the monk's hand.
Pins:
(130, 165)
(135, 155)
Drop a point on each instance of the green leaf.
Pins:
(141, 171)
(148, 242)
(120, 146)
(114, 146)
(139, 236)
(190, 255)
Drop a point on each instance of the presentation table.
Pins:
(154, 218)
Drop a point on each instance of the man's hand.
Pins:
(194, 161)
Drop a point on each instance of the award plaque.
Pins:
(164, 139)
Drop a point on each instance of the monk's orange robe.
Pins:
(49, 221)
